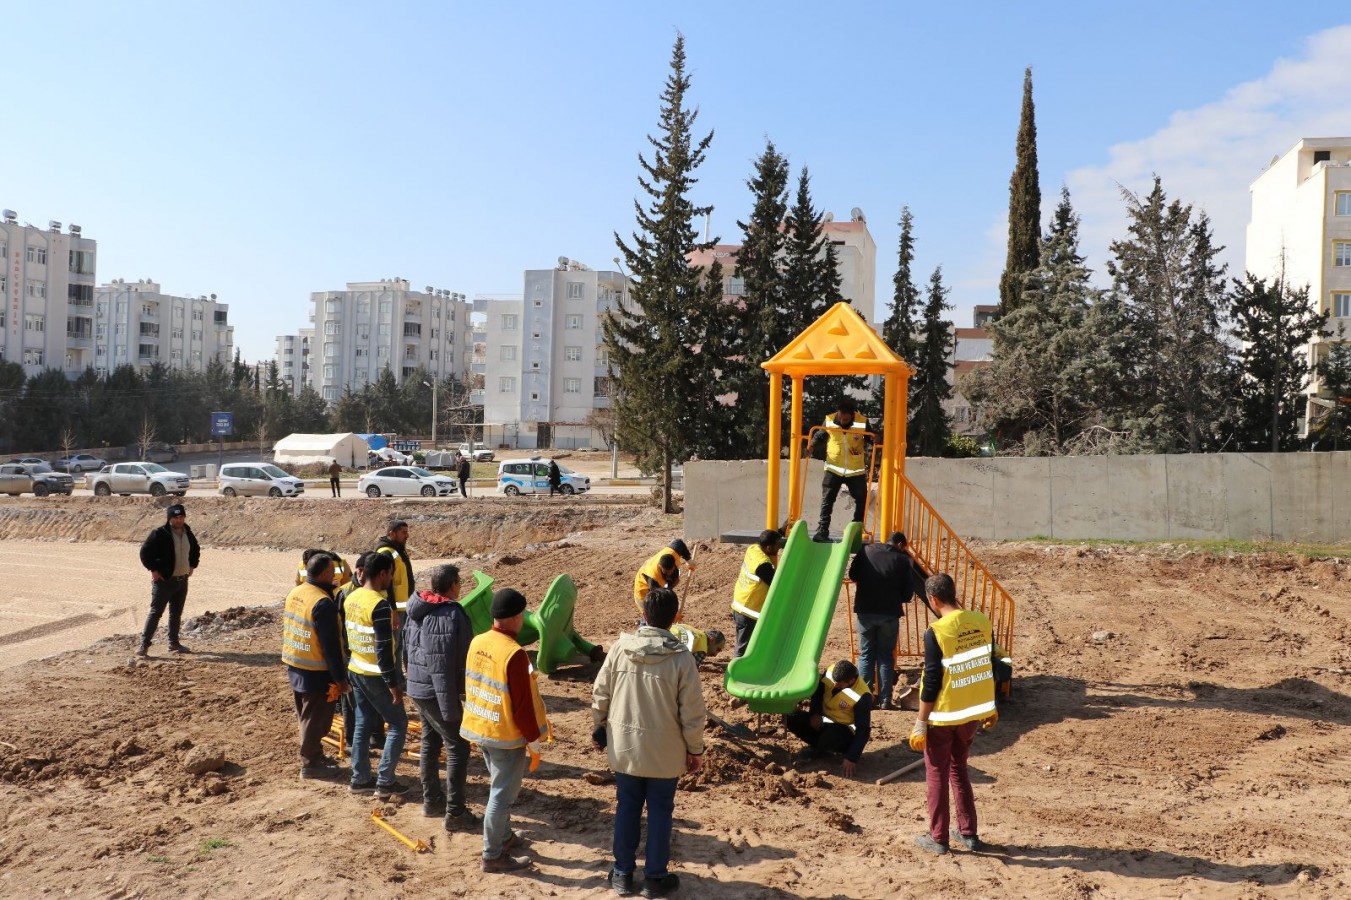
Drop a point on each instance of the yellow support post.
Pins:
(775, 447)
(795, 454)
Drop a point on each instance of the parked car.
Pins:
(32, 461)
(390, 455)
(476, 452)
(531, 476)
(155, 451)
(38, 480)
(79, 463)
(258, 478)
(405, 481)
(137, 478)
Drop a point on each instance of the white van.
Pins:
(257, 478)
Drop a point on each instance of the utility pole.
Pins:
(433, 386)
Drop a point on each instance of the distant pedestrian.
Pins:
(171, 553)
(884, 580)
(463, 469)
(334, 473)
(312, 650)
(555, 478)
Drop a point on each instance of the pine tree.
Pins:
(649, 337)
(1274, 325)
(1333, 430)
(1024, 207)
(901, 325)
(929, 428)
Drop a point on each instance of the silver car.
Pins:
(36, 479)
(405, 481)
(258, 478)
(137, 478)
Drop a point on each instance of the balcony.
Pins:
(412, 330)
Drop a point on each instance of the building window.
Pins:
(602, 357)
(3, 281)
(32, 357)
(508, 322)
(538, 303)
(178, 335)
(412, 329)
(508, 352)
(331, 327)
(534, 395)
(330, 373)
(736, 286)
(382, 352)
(602, 386)
(333, 305)
(362, 351)
(572, 354)
(574, 322)
(384, 329)
(37, 289)
(330, 392)
(363, 332)
(34, 323)
(574, 290)
(363, 308)
(37, 255)
(1341, 305)
(1341, 253)
(536, 335)
(572, 385)
(196, 335)
(331, 350)
(1344, 203)
(506, 385)
(82, 262)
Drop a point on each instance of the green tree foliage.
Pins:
(902, 323)
(652, 338)
(1174, 373)
(1273, 324)
(1033, 393)
(1333, 430)
(1024, 207)
(929, 427)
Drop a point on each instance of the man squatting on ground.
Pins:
(171, 553)
(662, 569)
(956, 695)
(752, 586)
(376, 678)
(312, 651)
(838, 718)
(648, 711)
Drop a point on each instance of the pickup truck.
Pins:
(476, 452)
(32, 478)
(137, 478)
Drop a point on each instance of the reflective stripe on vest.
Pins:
(398, 588)
(300, 647)
(695, 641)
(341, 575)
(839, 706)
(488, 719)
(748, 597)
(966, 641)
(844, 449)
(358, 609)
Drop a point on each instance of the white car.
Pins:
(258, 478)
(390, 455)
(531, 476)
(405, 481)
(137, 478)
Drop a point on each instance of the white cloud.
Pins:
(1208, 156)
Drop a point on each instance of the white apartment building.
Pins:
(293, 359)
(46, 296)
(137, 324)
(373, 324)
(1301, 228)
(545, 369)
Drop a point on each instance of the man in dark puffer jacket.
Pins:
(437, 636)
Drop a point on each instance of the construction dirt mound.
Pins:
(1178, 728)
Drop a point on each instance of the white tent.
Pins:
(303, 449)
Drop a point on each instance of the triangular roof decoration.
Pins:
(838, 343)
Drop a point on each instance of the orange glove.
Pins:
(988, 723)
(334, 692)
(533, 748)
(919, 736)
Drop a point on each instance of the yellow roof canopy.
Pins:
(841, 342)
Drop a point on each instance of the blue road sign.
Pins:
(222, 423)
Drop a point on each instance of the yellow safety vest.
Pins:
(341, 574)
(358, 610)
(299, 644)
(398, 588)
(839, 707)
(694, 639)
(488, 720)
(967, 640)
(748, 597)
(652, 569)
(844, 449)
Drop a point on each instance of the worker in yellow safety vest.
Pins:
(395, 545)
(702, 644)
(752, 586)
(844, 447)
(838, 718)
(504, 715)
(956, 696)
(662, 569)
(342, 574)
(311, 649)
(377, 679)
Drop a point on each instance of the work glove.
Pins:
(989, 722)
(600, 738)
(919, 736)
(334, 692)
(534, 749)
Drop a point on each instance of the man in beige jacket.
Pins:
(648, 709)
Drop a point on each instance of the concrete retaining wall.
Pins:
(1282, 496)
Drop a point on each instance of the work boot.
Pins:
(926, 842)
(176, 647)
(323, 767)
(143, 651)
(821, 537)
(389, 791)
(887, 704)
(463, 821)
(515, 841)
(505, 863)
(622, 882)
(432, 807)
(969, 841)
(661, 885)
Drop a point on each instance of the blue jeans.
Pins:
(375, 702)
(506, 771)
(877, 635)
(632, 792)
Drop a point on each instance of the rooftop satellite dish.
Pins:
(857, 215)
(562, 262)
(828, 217)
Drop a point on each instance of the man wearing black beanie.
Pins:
(171, 553)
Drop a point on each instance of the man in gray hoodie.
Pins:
(648, 709)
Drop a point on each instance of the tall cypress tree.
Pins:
(929, 429)
(650, 339)
(898, 331)
(1024, 207)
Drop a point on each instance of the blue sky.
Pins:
(264, 150)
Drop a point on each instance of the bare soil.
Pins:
(1177, 729)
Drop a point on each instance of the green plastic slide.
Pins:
(782, 664)
(550, 624)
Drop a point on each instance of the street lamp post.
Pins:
(433, 386)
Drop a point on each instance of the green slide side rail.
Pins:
(782, 664)
(550, 624)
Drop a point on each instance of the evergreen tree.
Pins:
(1033, 391)
(1333, 430)
(1024, 207)
(929, 428)
(310, 412)
(1274, 325)
(650, 341)
(901, 325)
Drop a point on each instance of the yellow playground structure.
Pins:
(781, 664)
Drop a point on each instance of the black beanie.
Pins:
(507, 602)
(175, 510)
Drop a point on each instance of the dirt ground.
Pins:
(1177, 729)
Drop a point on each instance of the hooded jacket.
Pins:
(648, 697)
(436, 639)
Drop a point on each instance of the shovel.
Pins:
(736, 731)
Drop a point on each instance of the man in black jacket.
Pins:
(462, 471)
(171, 553)
(884, 580)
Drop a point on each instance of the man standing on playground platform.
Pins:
(752, 586)
(885, 581)
(844, 449)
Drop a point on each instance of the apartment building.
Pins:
(373, 324)
(46, 296)
(545, 371)
(137, 324)
(293, 359)
(1301, 230)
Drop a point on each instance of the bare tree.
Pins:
(146, 435)
(67, 441)
(602, 419)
